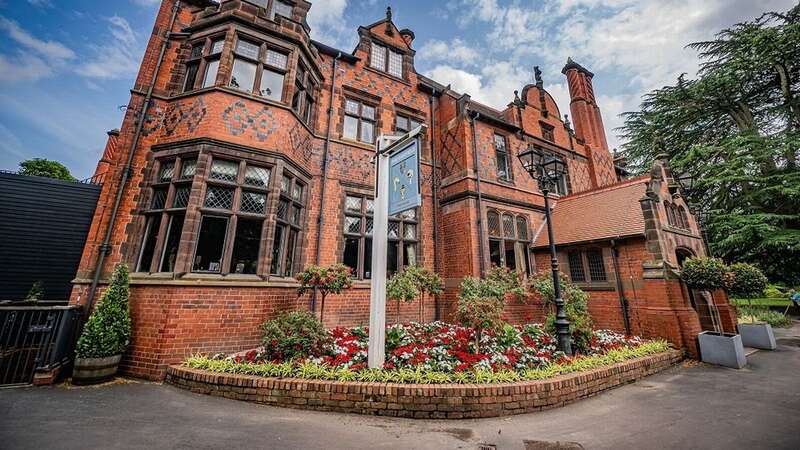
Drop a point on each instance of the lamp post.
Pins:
(546, 170)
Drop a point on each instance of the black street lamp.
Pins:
(547, 170)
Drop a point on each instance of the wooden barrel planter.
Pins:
(95, 370)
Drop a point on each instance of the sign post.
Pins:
(396, 190)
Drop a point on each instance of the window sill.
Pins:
(211, 279)
(359, 144)
(681, 231)
(600, 286)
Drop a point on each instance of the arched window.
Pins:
(508, 241)
(684, 217)
(670, 213)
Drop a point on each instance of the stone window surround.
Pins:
(204, 152)
(588, 283)
(502, 239)
(387, 49)
(350, 93)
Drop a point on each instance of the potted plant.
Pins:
(747, 281)
(706, 274)
(106, 335)
(327, 280)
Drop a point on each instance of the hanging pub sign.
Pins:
(404, 192)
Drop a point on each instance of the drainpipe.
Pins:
(623, 302)
(472, 119)
(105, 247)
(321, 216)
(435, 189)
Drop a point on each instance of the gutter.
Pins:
(321, 216)
(435, 189)
(105, 247)
(481, 256)
(623, 302)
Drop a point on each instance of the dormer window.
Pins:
(386, 60)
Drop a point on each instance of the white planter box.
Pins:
(757, 335)
(722, 349)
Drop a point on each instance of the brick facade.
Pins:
(182, 310)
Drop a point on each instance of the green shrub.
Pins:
(481, 301)
(746, 281)
(748, 314)
(575, 304)
(327, 280)
(108, 330)
(775, 291)
(294, 334)
(704, 273)
(402, 287)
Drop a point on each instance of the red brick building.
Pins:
(248, 152)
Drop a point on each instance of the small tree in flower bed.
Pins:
(413, 282)
(575, 305)
(481, 301)
(293, 335)
(327, 280)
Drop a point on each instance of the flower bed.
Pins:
(438, 353)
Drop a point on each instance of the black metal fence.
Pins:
(35, 339)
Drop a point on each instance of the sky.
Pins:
(66, 66)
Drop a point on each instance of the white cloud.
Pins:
(34, 59)
(116, 59)
(328, 24)
(456, 51)
(494, 85)
(147, 2)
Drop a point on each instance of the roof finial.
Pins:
(389, 20)
(537, 75)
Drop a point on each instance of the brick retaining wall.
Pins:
(443, 401)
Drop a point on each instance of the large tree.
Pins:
(41, 167)
(736, 129)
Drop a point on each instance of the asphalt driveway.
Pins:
(689, 407)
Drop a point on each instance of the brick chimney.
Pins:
(108, 154)
(585, 114)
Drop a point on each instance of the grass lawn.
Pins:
(762, 301)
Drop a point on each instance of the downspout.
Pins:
(482, 263)
(105, 247)
(321, 216)
(623, 302)
(435, 189)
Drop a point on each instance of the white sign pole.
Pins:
(380, 234)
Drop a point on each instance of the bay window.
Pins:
(259, 69)
(304, 98)
(202, 64)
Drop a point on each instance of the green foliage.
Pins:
(753, 314)
(481, 301)
(41, 167)
(108, 330)
(333, 279)
(293, 335)
(313, 371)
(736, 129)
(576, 307)
(36, 292)
(413, 282)
(746, 281)
(775, 291)
(704, 273)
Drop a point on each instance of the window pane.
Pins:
(412, 124)
(297, 191)
(352, 204)
(368, 112)
(508, 226)
(181, 198)
(253, 202)
(524, 256)
(409, 214)
(167, 171)
(576, 267)
(210, 242)
(370, 206)
(502, 165)
(159, 198)
(276, 59)
(197, 51)
(218, 198)
(256, 176)
(369, 225)
(597, 270)
(367, 258)
(296, 214)
(217, 46)
(352, 225)
(188, 168)
(288, 261)
(276, 251)
(224, 170)
(351, 107)
(401, 123)
(246, 246)
(247, 49)
(149, 243)
(494, 223)
(272, 85)
(511, 255)
(283, 209)
(499, 143)
(409, 231)
(244, 75)
(170, 254)
(350, 127)
(392, 250)
(410, 255)
(282, 9)
(211, 73)
(394, 230)
(495, 256)
(522, 229)
(191, 76)
(378, 57)
(367, 132)
(395, 64)
(285, 183)
(351, 252)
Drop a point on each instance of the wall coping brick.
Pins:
(423, 401)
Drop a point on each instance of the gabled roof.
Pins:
(605, 213)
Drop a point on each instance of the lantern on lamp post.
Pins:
(547, 170)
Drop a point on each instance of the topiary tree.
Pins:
(426, 282)
(746, 281)
(41, 167)
(576, 307)
(292, 335)
(402, 287)
(326, 280)
(108, 330)
(704, 273)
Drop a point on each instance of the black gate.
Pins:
(35, 339)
